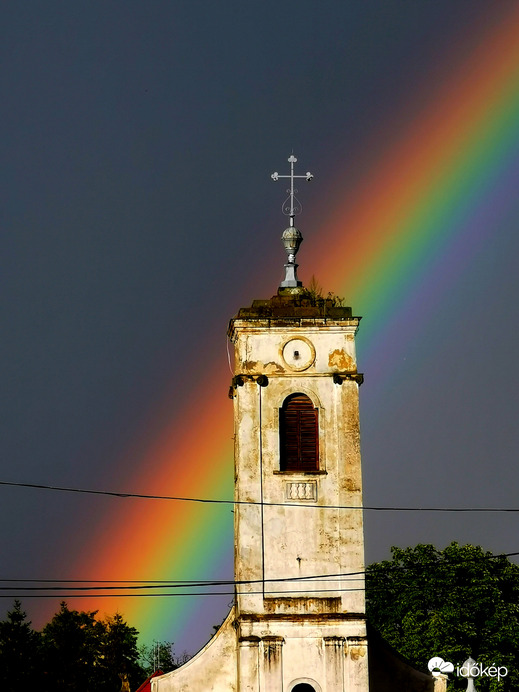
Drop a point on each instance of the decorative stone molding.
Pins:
(334, 641)
(339, 377)
(301, 490)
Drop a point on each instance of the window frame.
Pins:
(304, 417)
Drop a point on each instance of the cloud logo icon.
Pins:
(438, 666)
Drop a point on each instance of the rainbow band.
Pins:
(426, 206)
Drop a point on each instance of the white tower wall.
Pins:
(299, 556)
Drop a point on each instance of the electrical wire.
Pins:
(156, 584)
(170, 584)
(151, 595)
(110, 493)
(276, 593)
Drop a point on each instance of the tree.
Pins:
(72, 643)
(19, 651)
(75, 652)
(119, 655)
(454, 603)
(82, 653)
(160, 656)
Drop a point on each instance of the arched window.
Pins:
(303, 687)
(299, 434)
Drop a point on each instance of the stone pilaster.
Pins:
(248, 664)
(334, 663)
(356, 665)
(271, 666)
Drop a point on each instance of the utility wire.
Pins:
(161, 583)
(107, 588)
(156, 584)
(176, 593)
(381, 588)
(252, 502)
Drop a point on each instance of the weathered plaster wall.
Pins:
(213, 669)
(316, 650)
(298, 629)
(278, 539)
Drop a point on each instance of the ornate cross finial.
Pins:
(291, 237)
(292, 206)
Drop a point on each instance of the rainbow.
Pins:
(424, 210)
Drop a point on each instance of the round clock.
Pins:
(298, 353)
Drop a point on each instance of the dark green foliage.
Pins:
(453, 603)
(19, 651)
(72, 645)
(82, 653)
(75, 652)
(119, 655)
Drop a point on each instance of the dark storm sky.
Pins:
(138, 215)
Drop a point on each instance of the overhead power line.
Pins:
(233, 593)
(66, 584)
(158, 583)
(176, 593)
(143, 496)
(137, 585)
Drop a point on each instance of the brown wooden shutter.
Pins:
(299, 434)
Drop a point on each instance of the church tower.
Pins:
(298, 623)
(299, 552)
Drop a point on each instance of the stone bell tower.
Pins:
(298, 622)
(299, 552)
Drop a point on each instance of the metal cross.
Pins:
(291, 206)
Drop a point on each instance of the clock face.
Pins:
(298, 353)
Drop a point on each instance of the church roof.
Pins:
(146, 685)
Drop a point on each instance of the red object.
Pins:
(146, 685)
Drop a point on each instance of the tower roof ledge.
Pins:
(300, 308)
(297, 303)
